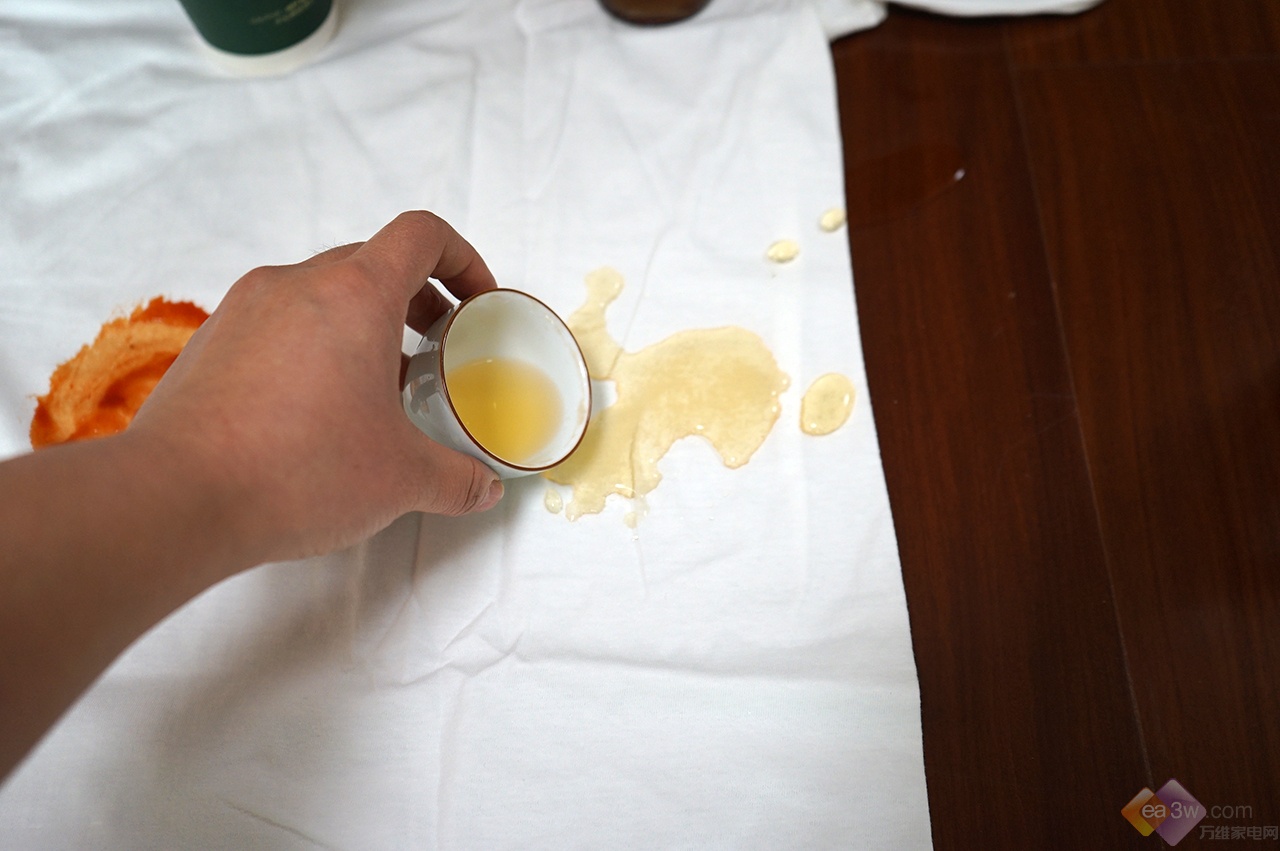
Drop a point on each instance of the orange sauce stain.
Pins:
(99, 391)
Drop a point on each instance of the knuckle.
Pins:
(464, 500)
(421, 218)
(350, 276)
(259, 278)
(347, 288)
(431, 227)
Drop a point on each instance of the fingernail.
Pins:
(491, 496)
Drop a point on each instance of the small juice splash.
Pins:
(826, 404)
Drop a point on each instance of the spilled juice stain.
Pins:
(720, 383)
(833, 219)
(783, 251)
(826, 404)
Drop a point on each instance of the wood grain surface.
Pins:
(1066, 245)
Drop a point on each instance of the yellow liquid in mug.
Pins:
(510, 407)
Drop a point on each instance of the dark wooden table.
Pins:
(1066, 245)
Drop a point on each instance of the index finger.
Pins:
(418, 245)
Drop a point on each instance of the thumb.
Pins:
(452, 483)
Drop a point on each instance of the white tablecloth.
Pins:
(734, 673)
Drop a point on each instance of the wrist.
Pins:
(200, 516)
(102, 539)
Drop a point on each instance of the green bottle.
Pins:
(262, 36)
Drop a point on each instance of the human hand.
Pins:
(287, 400)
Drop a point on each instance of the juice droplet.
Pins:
(826, 404)
(832, 220)
(783, 251)
(719, 383)
(552, 500)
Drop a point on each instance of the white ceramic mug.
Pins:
(506, 324)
